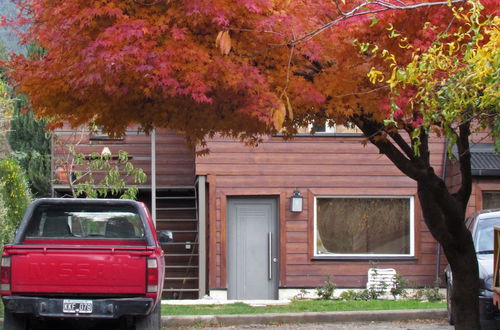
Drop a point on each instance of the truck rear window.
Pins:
(85, 222)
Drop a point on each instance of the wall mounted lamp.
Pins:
(296, 202)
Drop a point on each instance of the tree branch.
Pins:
(424, 148)
(373, 131)
(402, 144)
(464, 157)
(360, 10)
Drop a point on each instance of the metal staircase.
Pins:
(177, 210)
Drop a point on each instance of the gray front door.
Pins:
(252, 248)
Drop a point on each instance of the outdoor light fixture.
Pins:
(106, 152)
(296, 202)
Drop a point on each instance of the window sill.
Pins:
(105, 138)
(362, 258)
(320, 135)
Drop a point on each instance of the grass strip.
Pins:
(299, 306)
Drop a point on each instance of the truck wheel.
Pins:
(151, 321)
(12, 321)
(449, 309)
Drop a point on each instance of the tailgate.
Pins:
(78, 270)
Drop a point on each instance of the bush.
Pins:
(349, 295)
(399, 287)
(301, 295)
(326, 291)
(15, 196)
(429, 294)
(365, 294)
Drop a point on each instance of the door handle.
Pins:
(270, 255)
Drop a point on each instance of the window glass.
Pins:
(491, 200)
(85, 222)
(364, 226)
(483, 239)
(329, 128)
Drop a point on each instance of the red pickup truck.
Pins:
(83, 259)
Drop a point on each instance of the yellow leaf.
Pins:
(217, 40)
(225, 43)
(279, 116)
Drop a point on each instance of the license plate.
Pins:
(73, 306)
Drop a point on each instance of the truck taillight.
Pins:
(5, 275)
(152, 281)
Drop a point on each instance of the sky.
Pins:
(7, 37)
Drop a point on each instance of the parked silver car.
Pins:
(481, 226)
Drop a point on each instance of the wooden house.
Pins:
(236, 234)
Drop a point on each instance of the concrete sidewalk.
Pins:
(284, 318)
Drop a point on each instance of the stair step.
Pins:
(180, 266)
(176, 220)
(181, 278)
(175, 208)
(176, 197)
(184, 290)
(181, 254)
(180, 243)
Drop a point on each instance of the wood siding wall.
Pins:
(479, 183)
(314, 166)
(174, 159)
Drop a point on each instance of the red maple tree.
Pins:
(243, 68)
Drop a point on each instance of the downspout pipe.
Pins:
(153, 175)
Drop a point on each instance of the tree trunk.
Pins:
(459, 250)
(444, 212)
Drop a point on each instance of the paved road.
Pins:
(413, 325)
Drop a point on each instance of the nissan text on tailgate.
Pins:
(83, 259)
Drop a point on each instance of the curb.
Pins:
(311, 317)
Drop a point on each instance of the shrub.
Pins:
(429, 294)
(349, 295)
(301, 295)
(399, 287)
(365, 294)
(326, 291)
(15, 196)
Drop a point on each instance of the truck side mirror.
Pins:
(165, 236)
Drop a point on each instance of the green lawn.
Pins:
(300, 306)
(295, 307)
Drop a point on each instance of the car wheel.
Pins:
(13, 321)
(151, 321)
(449, 309)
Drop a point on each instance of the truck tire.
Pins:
(12, 321)
(151, 321)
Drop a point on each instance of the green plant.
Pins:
(301, 295)
(349, 295)
(326, 291)
(15, 197)
(372, 293)
(433, 294)
(6, 109)
(30, 143)
(398, 289)
(96, 175)
(430, 294)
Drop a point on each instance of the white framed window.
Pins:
(329, 127)
(491, 199)
(364, 226)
